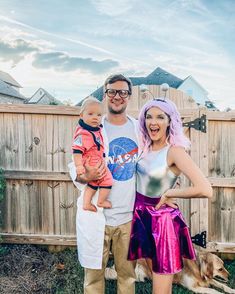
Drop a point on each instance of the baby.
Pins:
(88, 146)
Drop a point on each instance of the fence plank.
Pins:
(39, 239)
(37, 175)
(203, 164)
(222, 182)
(194, 152)
(40, 109)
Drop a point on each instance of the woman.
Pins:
(159, 232)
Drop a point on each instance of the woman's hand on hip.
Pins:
(166, 201)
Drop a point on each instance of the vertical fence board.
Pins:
(203, 164)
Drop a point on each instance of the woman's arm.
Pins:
(201, 187)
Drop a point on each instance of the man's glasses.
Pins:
(122, 93)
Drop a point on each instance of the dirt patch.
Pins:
(32, 269)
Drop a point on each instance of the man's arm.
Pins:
(93, 173)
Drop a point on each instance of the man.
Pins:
(120, 135)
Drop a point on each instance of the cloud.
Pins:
(15, 50)
(61, 37)
(113, 7)
(60, 61)
(8, 32)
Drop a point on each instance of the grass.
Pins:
(75, 270)
(32, 269)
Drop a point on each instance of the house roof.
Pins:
(34, 99)
(137, 80)
(5, 77)
(8, 90)
(160, 76)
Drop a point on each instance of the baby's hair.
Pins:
(88, 101)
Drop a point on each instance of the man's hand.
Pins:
(93, 173)
(80, 170)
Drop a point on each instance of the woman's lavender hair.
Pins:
(175, 135)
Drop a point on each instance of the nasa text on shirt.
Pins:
(122, 158)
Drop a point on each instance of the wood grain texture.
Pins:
(40, 203)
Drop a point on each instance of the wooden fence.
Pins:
(40, 202)
(35, 148)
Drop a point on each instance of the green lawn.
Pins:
(142, 288)
(29, 269)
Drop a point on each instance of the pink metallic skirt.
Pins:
(161, 235)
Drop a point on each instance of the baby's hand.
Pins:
(80, 170)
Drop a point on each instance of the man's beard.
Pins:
(111, 110)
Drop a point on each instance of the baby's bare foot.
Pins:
(105, 204)
(90, 207)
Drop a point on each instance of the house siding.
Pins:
(193, 90)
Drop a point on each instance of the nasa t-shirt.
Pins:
(121, 160)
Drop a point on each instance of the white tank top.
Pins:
(154, 176)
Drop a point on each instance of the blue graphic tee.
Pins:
(122, 158)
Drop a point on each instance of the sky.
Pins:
(69, 47)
